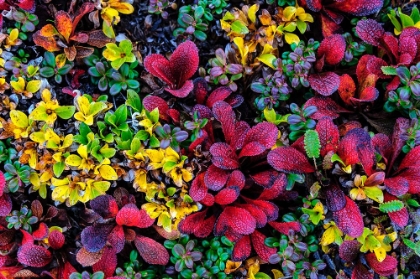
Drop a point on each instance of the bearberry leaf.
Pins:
(107, 263)
(151, 251)
(242, 249)
(349, 219)
(370, 31)
(56, 240)
(385, 268)
(332, 48)
(105, 205)
(33, 255)
(131, 216)
(324, 83)
(289, 160)
(358, 7)
(349, 250)
(223, 156)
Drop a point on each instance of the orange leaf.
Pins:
(64, 24)
(87, 7)
(347, 88)
(70, 52)
(48, 44)
(48, 31)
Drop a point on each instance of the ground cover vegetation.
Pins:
(209, 139)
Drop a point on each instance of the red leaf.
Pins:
(236, 178)
(200, 90)
(385, 268)
(333, 48)
(347, 88)
(349, 219)
(326, 107)
(159, 66)
(227, 195)
(2, 183)
(240, 220)
(107, 263)
(151, 251)
(411, 160)
(347, 149)
(241, 129)
(174, 115)
(358, 7)
(189, 223)
(219, 94)
(94, 237)
(369, 94)
(27, 237)
(252, 149)
(33, 255)
(370, 31)
(285, 227)
(215, 178)
(349, 250)
(265, 178)
(205, 228)
(224, 114)
(257, 213)
(65, 270)
(117, 238)
(41, 232)
(223, 156)
(202, 111)
(208, 200)
(367, 65)
(221, 224)
(5, 204)
(289, 160)
(198, 189)
(278, 187)
(361, 272)
(324, 83)
(329, 26)
(182, 92)
(400, 217)
(335, 198)
(264, 133)
(396, 186)
(184, 63)
(314, 5)
(270, 209)
(56, 240)
(329, 135)
(105, 205)
(412, 175)
(242, 249)
(407, 45)
(151, 102)
(400, 128)
(263, 251)
(131, 216)
(27, 5)
(86, 258)
(382, 145)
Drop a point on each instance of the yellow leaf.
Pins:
(19, 119)
(108, 172)
(267, 59)
(39, 114)
(252, 12)
(73, 160)
(19, 85)
(33, 86)
(289, 12)
(291, 38)
(14, 34)
(374, 193)
(38, 137)
(123, 7)
(82, 150)
(60, 60)
(277, 274)
(380, 254)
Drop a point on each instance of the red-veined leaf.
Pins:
(33, 255)
(151, 251)
(385, 268)
(349, 219)
(289, 160)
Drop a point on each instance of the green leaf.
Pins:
(391, 206)
(389, 70)
(405, 19)
(412, 202)
(154, 115)
(312, 144)
(65, 112)
(133, 100)
(415, 15)
(261, 275)
(410, 244)
(121, 115)
(58, 168)
(239, 27)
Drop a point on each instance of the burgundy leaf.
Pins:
(188, 225)
(349, 219)
(198, 189)
(33, 255)
(263, 251)
(5, 204)
(278, 187)
(265, 178)
(221, 224)
(131, 216)
(324, 83)
(382, 145)
(117, 238)
(289, 160)
(361, 272)
(223, 156)
(257, 213)
(285, 227)
(236, 178)
(151, 251)
(358, 7)
(219, 94)
(326, 107)
(349, 250)
(200, 90)
(2, 183)
(400, 128)
(347, 88)
(252, 149)
(182, 92)
(240, 220)
(159, 66)
(411, 160)
(241, 130)
(242, 249)
(105, 205)
(227, 195)
(400, 217)
(224, 114)
(396, 186)
(412, 175)
(333, 48)
(184, 63)
(370, 31)
(94, 237)
(270, 209)
(347, 149)
(385, 268)
(215, 178)
(329, 135)
(314, 5)
(151, 102)
(107, 263)
(208, 200)
(264, 133)
(202, 111)
(174, 115)
(205, 228)
(369, 94)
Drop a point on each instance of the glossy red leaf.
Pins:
(349, 250)
(27, 237)
(27, 5)
(349, 219)
(2, 183)
(347, 149)
(382, 144)
(159, 66)
(324, 83)
(332, 49)
(289, 160)
(224, 114)
(285, 227)
(200, 90)
(329, 135)
(264, 133)
(269, 208)
(326, 107)
(41, 232)
(215, 178)
(240, 220)
(335, 198)
(361, 272)
(202, 111)
(241, 130)
(174, 115)
(252, 149)
(358, 7)
(131, 216)
(412, 175)
(189, 223)
(368, 94)
(65, 270)
(107, 263)
(370, 31)
(390, 43)
(257, 213)
(400, 217)
(184, 62)
(151, 251)
(117, 238)
(347, 88)
(385, 268)
(33, 255)
(198, 189)
(227, 195)
(94, 237)
(369, 65)
(278, 187)
(221, 225)
(236, 178)
(56, 240)
(263, 251)
(105, 205)
(182, 92)
(205, 228)
(219, 94)
(223, 156)
(151, 102)
(242, 249)
(411, 160)
(5, 204)
(265, 178)
(396, 186)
